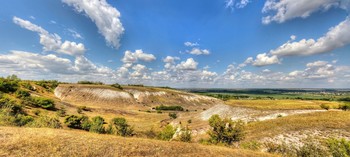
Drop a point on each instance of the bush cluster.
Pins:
(345, 106)
(169, 108)
(90, 82)
(49, 85)
(116, 85)
(225, 131)
(119, 126)
(167, 133)
(9, 84)
(44, 103)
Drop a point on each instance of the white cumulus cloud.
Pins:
(284, 10)
(336, 37)
(197, 51)
(133, 57)
(105, 16)
(189, 64)
(51, 42)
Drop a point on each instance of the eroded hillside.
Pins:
(129, 96)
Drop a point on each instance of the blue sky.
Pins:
(197, 43)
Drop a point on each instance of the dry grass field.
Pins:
(323, 121)
(57, 142)
(281, 104)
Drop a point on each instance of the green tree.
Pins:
(120, 127)
(225, 130)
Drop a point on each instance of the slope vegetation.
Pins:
(47, 142)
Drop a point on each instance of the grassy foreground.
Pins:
(15, 141)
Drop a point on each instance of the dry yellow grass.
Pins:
(323, 121)
(55, 142)
(281, 104)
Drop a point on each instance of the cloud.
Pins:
(242, 3)
(51, 42)
(170, 59)
(36, 64)
(72, 48)
(262, 60)
(27, 61)
(133, 57)
(289, 9)
(190, 44)
(170, 62)
(189, 64)
(104, 16)
(316, 70)
(208, 75)
(197, 51)
(140, 72)
(75, 34)
(236, 4)
(336, 37)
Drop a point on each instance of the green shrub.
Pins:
(97, 125)
(225, 131)
(10, 107)
(345, 106)
(312, 148)
(27, 85)
(22, 120)
(324, 106)
(44, 103)
(22, 94)
(167, 133)
(49, 85)
(77, 122)
(339, 147)
(61, 112)
(173, 115)
(45, 122)
(169, 108)
(116, 85)
(119, 126)
(344, 99)
(185, 135)
(9, 84)
(90, 82)
(189, 121)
